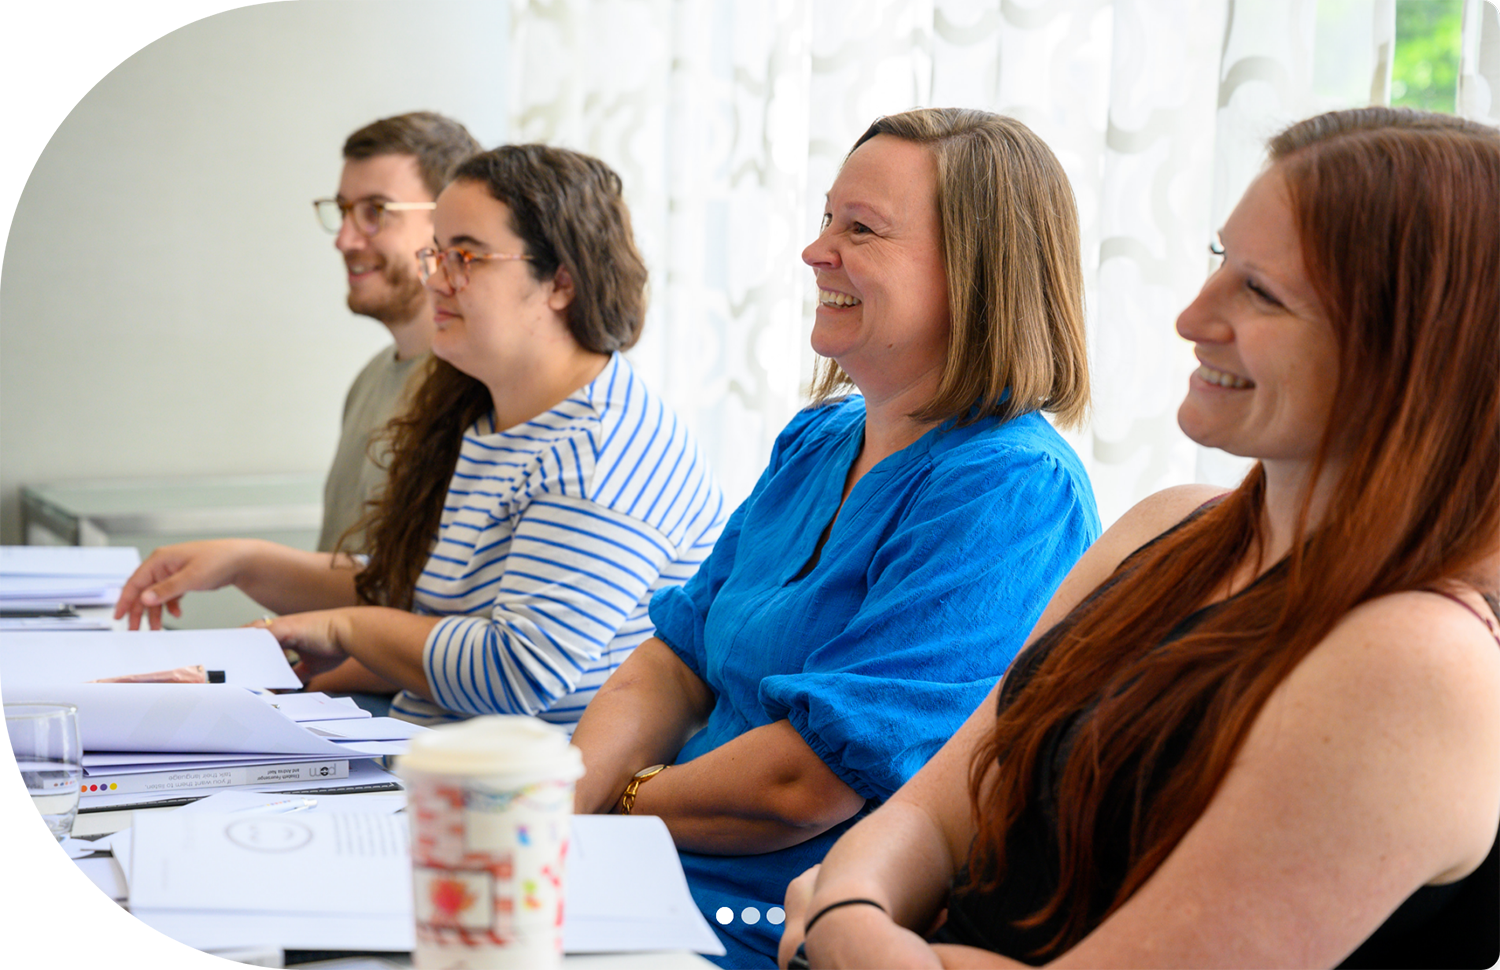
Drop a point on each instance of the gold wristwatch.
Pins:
(627, 800)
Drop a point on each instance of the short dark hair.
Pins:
(439, 144)
(568, 209)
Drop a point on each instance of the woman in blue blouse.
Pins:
(900, 545)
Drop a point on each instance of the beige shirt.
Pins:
(356, 478)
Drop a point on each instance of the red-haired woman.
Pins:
(1258, 730)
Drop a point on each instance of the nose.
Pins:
(438, 281)
(1201, 321)
(349, 239)
(821, 253)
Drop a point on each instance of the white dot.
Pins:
(750, 915)
(775, 916)
(724, 915)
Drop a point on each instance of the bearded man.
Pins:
(393, 171)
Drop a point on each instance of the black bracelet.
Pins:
(807, 927)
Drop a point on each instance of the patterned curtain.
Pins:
(728, 121)
(1479, 62)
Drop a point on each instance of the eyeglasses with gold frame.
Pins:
(455, 263)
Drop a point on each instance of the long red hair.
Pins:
(1398, 215)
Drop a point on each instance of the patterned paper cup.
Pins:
(489, 801)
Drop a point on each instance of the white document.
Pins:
(96, 561)
(309, 880)
(201, 763)
(127, 762)
(365, 729)
(176, 718)
(75, 591)
(315, 706)
(248, 657)
(303, 862)
(240, 800)
(52, 624)
(626, 890)
(362, 774)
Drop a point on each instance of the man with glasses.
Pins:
(393, 170)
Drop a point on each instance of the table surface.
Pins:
(114, 497)
(93, 824)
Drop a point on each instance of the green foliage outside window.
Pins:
(1428, 35)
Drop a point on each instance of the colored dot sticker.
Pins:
(724, 915)
(113, 786)
(775, 916)
(750, 915)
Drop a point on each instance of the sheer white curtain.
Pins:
(1479, 62)
(727, 122)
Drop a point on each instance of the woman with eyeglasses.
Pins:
(539, 492)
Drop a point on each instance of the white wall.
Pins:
(168, 304)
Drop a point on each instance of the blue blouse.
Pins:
(937, 568)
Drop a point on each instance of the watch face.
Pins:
(645, 773)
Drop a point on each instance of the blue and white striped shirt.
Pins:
(554, 536)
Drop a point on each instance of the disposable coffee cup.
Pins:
(490, 801)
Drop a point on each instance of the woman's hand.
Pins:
(171, 571)
(798, 893)
(317, 637)
(866, 937)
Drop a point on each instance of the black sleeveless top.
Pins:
(1454, 925)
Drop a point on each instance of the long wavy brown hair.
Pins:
(569, 211)
(1396, 214)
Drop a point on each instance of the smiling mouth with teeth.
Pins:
(830, 298)
(1221, 379)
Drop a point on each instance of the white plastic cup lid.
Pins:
(496, 744)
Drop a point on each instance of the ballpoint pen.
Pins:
(279, 808)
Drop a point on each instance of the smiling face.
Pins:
(504, 319)
(1268, 355)
(882, 288)
(382, 269)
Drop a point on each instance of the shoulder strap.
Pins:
(1490, 601)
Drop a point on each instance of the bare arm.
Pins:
(642, 716)
(1369, 773)
(351, 676)
(280, 578)
(388, 643)
(762, 791)
(906, 854)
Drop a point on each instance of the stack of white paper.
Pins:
(321, 881)
(154, 742)
(245, 656)
(36, 578)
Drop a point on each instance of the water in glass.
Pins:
(44, 738)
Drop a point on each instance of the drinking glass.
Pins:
(45, 740)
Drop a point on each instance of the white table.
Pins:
(108, 927)
(110, 933)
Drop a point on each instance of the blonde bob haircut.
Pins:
(1015, 274)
